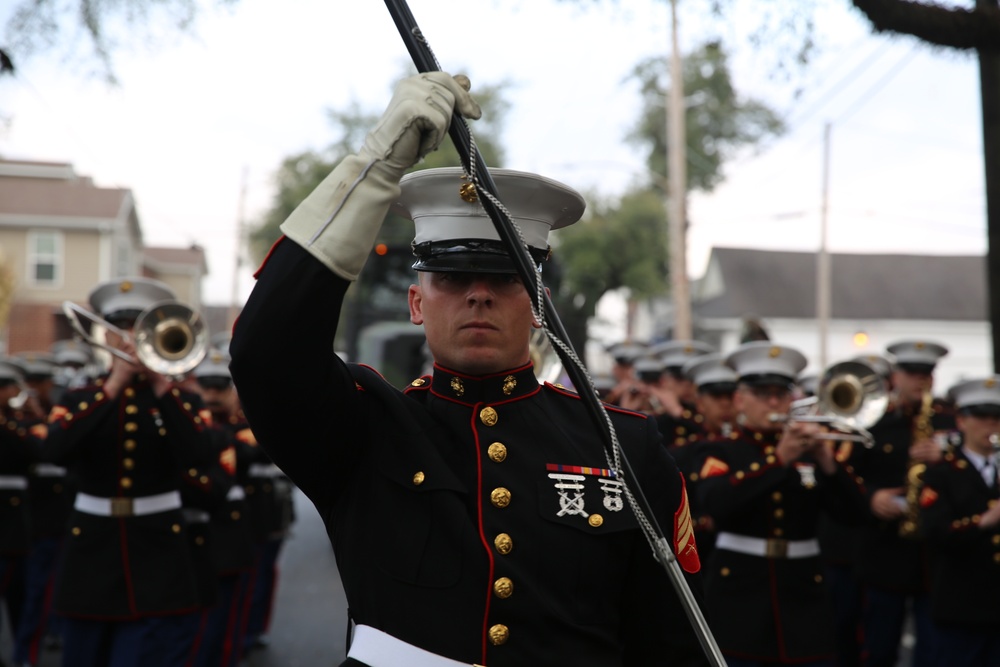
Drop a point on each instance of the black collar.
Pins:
(497, 388)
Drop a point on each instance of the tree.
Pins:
(625, 244)
(718, 120)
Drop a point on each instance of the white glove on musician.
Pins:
(339, 220)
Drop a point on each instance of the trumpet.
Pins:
(851, 397)
(169, 337)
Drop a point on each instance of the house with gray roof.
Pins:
(875, 300)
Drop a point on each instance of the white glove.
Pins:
(339, 220)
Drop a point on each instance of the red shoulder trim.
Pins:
(269, 253)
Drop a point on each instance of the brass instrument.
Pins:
(850, 397)
(170, 338)
(909, 527)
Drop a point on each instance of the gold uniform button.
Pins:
(724, 572)
(15, 501)
(693, 477)
(192, 472)
(497, 452)
(754, 466)
(778, 532)
(740, 474)
(418, 478)
(996, 539)
(128, 464)
(503, 543)
(503, 588)
(776, 496)
(779, 513)
(770, 459)
(129, 392)
(126, 483)
(76, 531)
(129, 409)
(129, 445)
(758, 436)
(499, 634)
(595, 520)
(99, 396)
(769, 450)
(176, 528)
(996, 558)
(818, 578)
(200, 541)
(488, 416)
(234, 515)
(83, 406)
(886, 448)
(131, 427)
(500, 497)
(187, 406)
(163, 431)
(203, 479)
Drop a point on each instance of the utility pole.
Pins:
(677, 196)
(238, 259)
(823, 258)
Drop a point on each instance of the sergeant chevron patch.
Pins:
(684, 544)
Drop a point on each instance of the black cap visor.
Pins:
(767, 380)
(469, 256)
(982, 411)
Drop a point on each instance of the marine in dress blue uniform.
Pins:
(126, 575)
(960, 515)
(715, 384)
(474, 516)
(892, 568)
(765, 488)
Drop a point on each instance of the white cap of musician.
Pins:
(453, 232)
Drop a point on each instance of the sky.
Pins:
(200, 121)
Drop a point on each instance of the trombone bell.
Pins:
(170, 338)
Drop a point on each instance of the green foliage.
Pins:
(717, 120)
(621, 244)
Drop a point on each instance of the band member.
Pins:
(474, 516)
(960, 513)
(20, 445)
(126, 577)
(715, 385)
(623, 356)
(765, 488)
(221, 639)
(892, 560)
(50, 500)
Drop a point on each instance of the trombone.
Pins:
(851, 397)
(170, 338)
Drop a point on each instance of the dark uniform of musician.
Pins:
(50, 500)
(715, 384)
(960, 514)
(20, 444)
(838, 541)
(892, 560)
(765, 488)
(220, 640)
(125, 579)
(474, 516)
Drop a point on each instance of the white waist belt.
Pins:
(767, 548)
(16, 482)
(49, 470)
(121, 507)
(235, 493)
(378, 649)
(264, 470)
(192, 515)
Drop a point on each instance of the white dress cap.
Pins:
(676, 353)
(215, 364)
(763, 361)
(708, 369)
(983, 391)
(128, 296)
(453, 232)
(919, 352)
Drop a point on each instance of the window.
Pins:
(44, 264)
